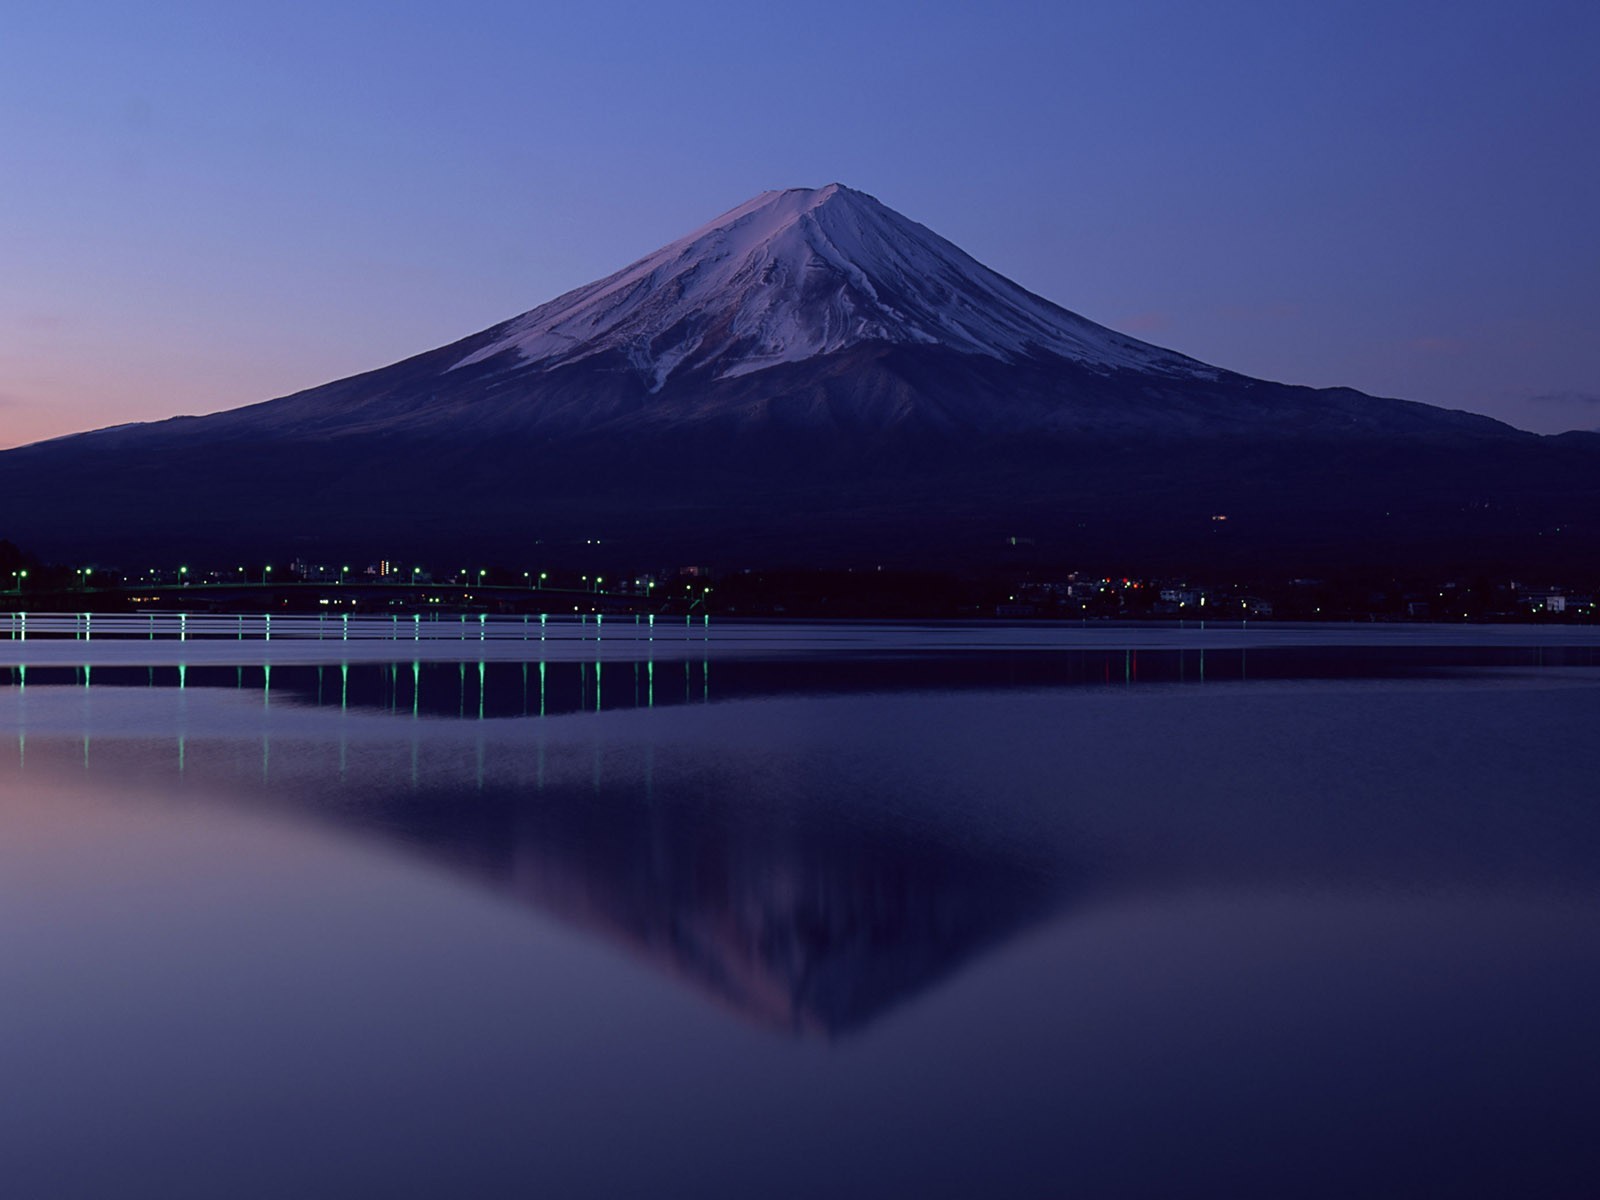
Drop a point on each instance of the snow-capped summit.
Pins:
(790, 275)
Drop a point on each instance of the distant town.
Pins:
(397, 585)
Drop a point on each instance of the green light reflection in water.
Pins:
(183, 712)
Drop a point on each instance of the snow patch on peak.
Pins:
(793, 274)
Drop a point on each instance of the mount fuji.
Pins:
(812, 378)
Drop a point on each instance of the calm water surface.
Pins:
(878, 914)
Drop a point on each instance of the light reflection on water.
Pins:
(453, 925)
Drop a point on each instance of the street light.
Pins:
(183, 576)
(343, 571)
(265, 571)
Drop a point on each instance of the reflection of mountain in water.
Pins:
(796, 893)
(787, 870)
(804, 921)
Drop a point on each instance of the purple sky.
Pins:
(204, 205)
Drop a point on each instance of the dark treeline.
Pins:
(1018, 592)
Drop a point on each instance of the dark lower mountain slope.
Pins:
(875, 454)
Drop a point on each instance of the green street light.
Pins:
(183, 576)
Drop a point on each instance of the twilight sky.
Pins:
(205, 205)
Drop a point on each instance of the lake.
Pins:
(814, 910)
